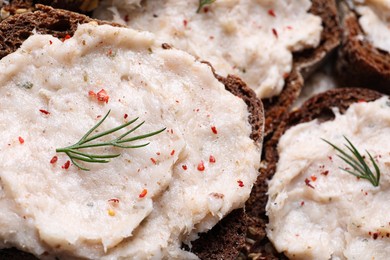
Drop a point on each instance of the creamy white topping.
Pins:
(250, 38)
(375, 21)
(318, 211)
(144, 203)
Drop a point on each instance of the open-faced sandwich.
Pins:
(116, 146)
(328, 193)
(364, 56)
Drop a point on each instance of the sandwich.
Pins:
(364, 54)
(315, 204)
(123, 146)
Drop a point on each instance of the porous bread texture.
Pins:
(228, 237)
(359, 63)
(318, 107)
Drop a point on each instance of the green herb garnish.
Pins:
(357, 162)
(75, 154)
(202, 3)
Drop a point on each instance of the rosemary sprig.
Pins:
(357, 162)
(74, 153)
(202, 3)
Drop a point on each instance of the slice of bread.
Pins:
(13, 7)
(222, 242)
(318, 107)
(305, 63)
(359, 63)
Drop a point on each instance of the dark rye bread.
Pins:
(45, 20)
(360, 63)
(318, 107)
(13, 7)
(304, 63)
(226, 239)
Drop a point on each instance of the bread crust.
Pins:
(359, 63)
(304, 63)
(318, 107)
(226, 239)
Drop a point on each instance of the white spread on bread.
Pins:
(144, 203)
(375, 21)
(317, 210)
(253, 39)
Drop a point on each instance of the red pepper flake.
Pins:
(66, 165)
(325, 173)
(177, 101)
(153, 160)
(143, 193)
(44, 111)
(275, 32)
(125, 116)
(158, 153)
(307, 182)
(330, 158)
(50, 42)
(185, 23)
(114, 201)
(375, 235)
(172, 152)
(212, 159)
(126, 18)
(54, 159)
(184, 167)
(214, 130)
(313, 178)
(302, 203)
(271, 12)
(102, 96)
(200, 166)
(21, 140)
(67, 37)
(362, 101)
(205, 9)
(91, 94)
(240, 183)
(171, 131)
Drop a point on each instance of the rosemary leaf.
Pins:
(357, 162)
(203, 3)
(75, 154)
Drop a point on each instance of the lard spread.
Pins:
(317, 210)
(375, 21)
(144, 203)
(253, 39)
